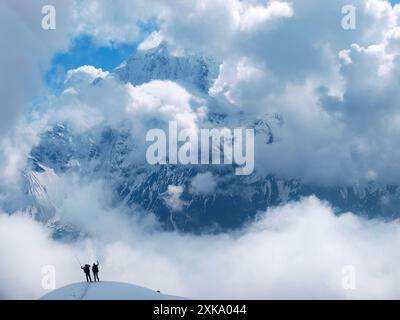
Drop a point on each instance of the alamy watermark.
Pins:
(49, 19)
(349, 277)
(205, 146)
(349, 20)
(49, 277)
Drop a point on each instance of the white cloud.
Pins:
(25, 249)
(172, 198)
(83, 75)
(320, 91)
(203, 183)
(112, 23)
(152, 41)
(344, 55)
(253, 17)
(28, 54)
(15, 149)
(164, 101)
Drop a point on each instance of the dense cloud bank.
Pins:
(300, 250)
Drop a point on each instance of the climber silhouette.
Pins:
(95, 270)
(86, 270)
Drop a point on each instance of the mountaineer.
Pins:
(86, 270)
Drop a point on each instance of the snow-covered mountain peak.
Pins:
(106, 290)
(159, 64)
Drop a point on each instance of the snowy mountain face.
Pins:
(236, 199)
(105, 153)
(106, 290)
(159, 64)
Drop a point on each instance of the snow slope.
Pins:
(106, 290)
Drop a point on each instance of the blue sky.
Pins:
(84, 50)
